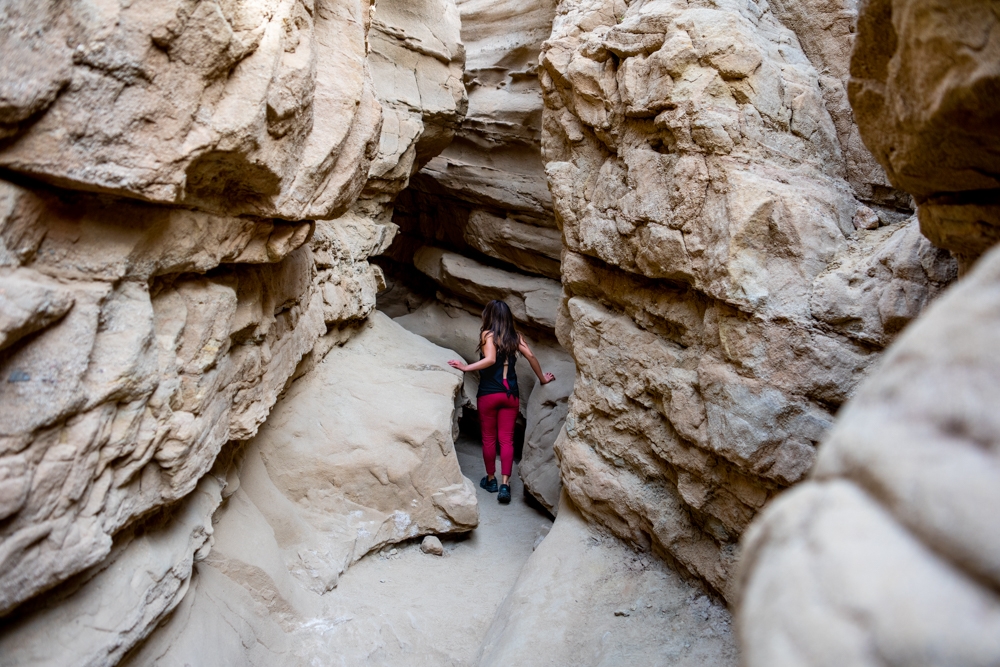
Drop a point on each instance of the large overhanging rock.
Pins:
(727, 290)
(889, 554)
(532, 300)
(261, 107)
(924, 82)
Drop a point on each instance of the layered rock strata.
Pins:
(731, 272)
(888, 554)
(161, 278)
(476, 222)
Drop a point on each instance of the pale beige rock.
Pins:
(584, 597)
(119, 611)
(332, 475)
(893, 526)
(721, 303)
(432, 545)
(530, 248)
(532, 300)
(332, 433)
(416, 60)
(146, 376)
(495, 159)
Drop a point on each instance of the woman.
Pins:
(498, 400)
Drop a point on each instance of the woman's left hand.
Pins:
(455, 363)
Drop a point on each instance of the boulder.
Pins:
(892, 526)
(357, 454)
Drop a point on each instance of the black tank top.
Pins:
(491, 378)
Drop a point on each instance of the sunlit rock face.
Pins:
(887, 554)
(734, 260)
(163, 273)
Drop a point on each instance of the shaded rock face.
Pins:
(162, 281)
(924, 85)
(726, 288)
(887, 554)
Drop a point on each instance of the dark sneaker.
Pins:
(504, 495)
(490, 484)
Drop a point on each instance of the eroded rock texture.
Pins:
(924, 87)
(733, 264)
(161, 278)
(333, 474)
(887, 554)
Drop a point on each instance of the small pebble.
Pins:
(432, 545)
(622, 612)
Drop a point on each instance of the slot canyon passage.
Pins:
(241, 239)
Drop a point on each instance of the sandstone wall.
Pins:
(887, 554)
(192, 191)
(733, 261)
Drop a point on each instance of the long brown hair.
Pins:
(497, 319)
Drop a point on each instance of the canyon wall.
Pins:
(191, 193)
(888, 554)
(734, 261)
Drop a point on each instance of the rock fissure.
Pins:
(240, 241)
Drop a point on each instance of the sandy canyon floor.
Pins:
(583, 598)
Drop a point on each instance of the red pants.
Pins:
(497, 414)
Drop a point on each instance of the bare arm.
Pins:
(489, 357)
(543, 378)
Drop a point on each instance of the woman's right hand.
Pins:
(455, 363)
(549, 377)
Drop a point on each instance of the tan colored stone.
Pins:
(220, 106)
(584, 597)
(721, 304)
(898, 496)
(532, 300)
(530, 248)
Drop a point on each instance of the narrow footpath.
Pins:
(401, 606)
